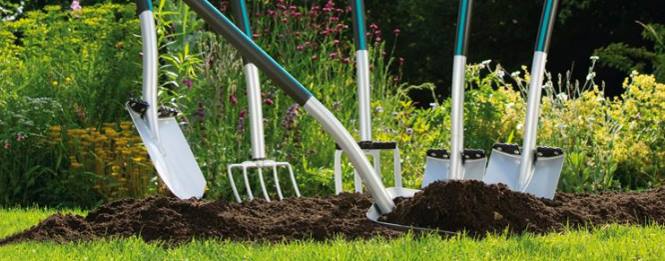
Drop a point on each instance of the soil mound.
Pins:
(172, 220)
(478, 208)
(468, 206)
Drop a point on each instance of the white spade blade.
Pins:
(474, 169)
(546, 173)
(172, 157)
(437, 166)
(503, 167)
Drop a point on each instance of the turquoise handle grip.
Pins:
(547, 20)
(359, 28)
(463, 26)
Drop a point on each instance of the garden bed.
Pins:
(453, 206)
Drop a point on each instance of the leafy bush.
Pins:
(626, 58)
(66, 147)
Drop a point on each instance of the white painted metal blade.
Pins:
(436, 169)
(172, 157)
(545, 178)
(474, 169)
(503, 167)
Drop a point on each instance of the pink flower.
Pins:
(76, 6)
(234, 99)
(396, 32)
(268, 101)
(188, 83)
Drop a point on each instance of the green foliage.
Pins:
(61, 67)
(97, 55)
(625, 58)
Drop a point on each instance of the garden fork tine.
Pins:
(259, 161)
(538, 169)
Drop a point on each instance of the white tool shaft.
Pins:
(531, 123)
(364, 93)
(150, 69)
(457, 118)
(255, 111)
(343, 138)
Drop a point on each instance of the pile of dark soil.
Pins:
(172, 220)
(478, 208)
(468, 206)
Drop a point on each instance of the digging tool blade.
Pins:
(546, 173)
(172, 157)
(504, 166)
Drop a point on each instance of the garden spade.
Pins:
(259, 161)
(530, 169)
(331, 125)
(160, 132)
(458, 163)
(370, 147)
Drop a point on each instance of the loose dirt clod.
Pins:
(468, 206)
(478, 208)
(173, 220)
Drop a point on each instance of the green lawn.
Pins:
(610, 242)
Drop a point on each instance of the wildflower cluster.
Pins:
(114, 154)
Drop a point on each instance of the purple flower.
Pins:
(268, 101)
(290, 119)
(76, 5)
(188, 82)
(234, 99)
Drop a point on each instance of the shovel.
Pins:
(530, 169)
(160, 132)
(458, 163)
(371, 147)
(259, 161)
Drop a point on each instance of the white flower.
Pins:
(515, 74)
(433, 104)
(485, 63)
(590, 76)
(500, 73)
(594, 58)
(562, 96)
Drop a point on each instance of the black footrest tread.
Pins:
(438, 153)
(507, 148)
(166, 112)
(374, 145)
(138, 105)
(548, 152)
(471, 154)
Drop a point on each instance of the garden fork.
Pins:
(259, 161)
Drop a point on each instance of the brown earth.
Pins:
(478, 208)
(451, 206)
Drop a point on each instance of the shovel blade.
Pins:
(503, 167)
(546, 173)
(436, 169)
(475, 169)
(437, 166)
(172, 157)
